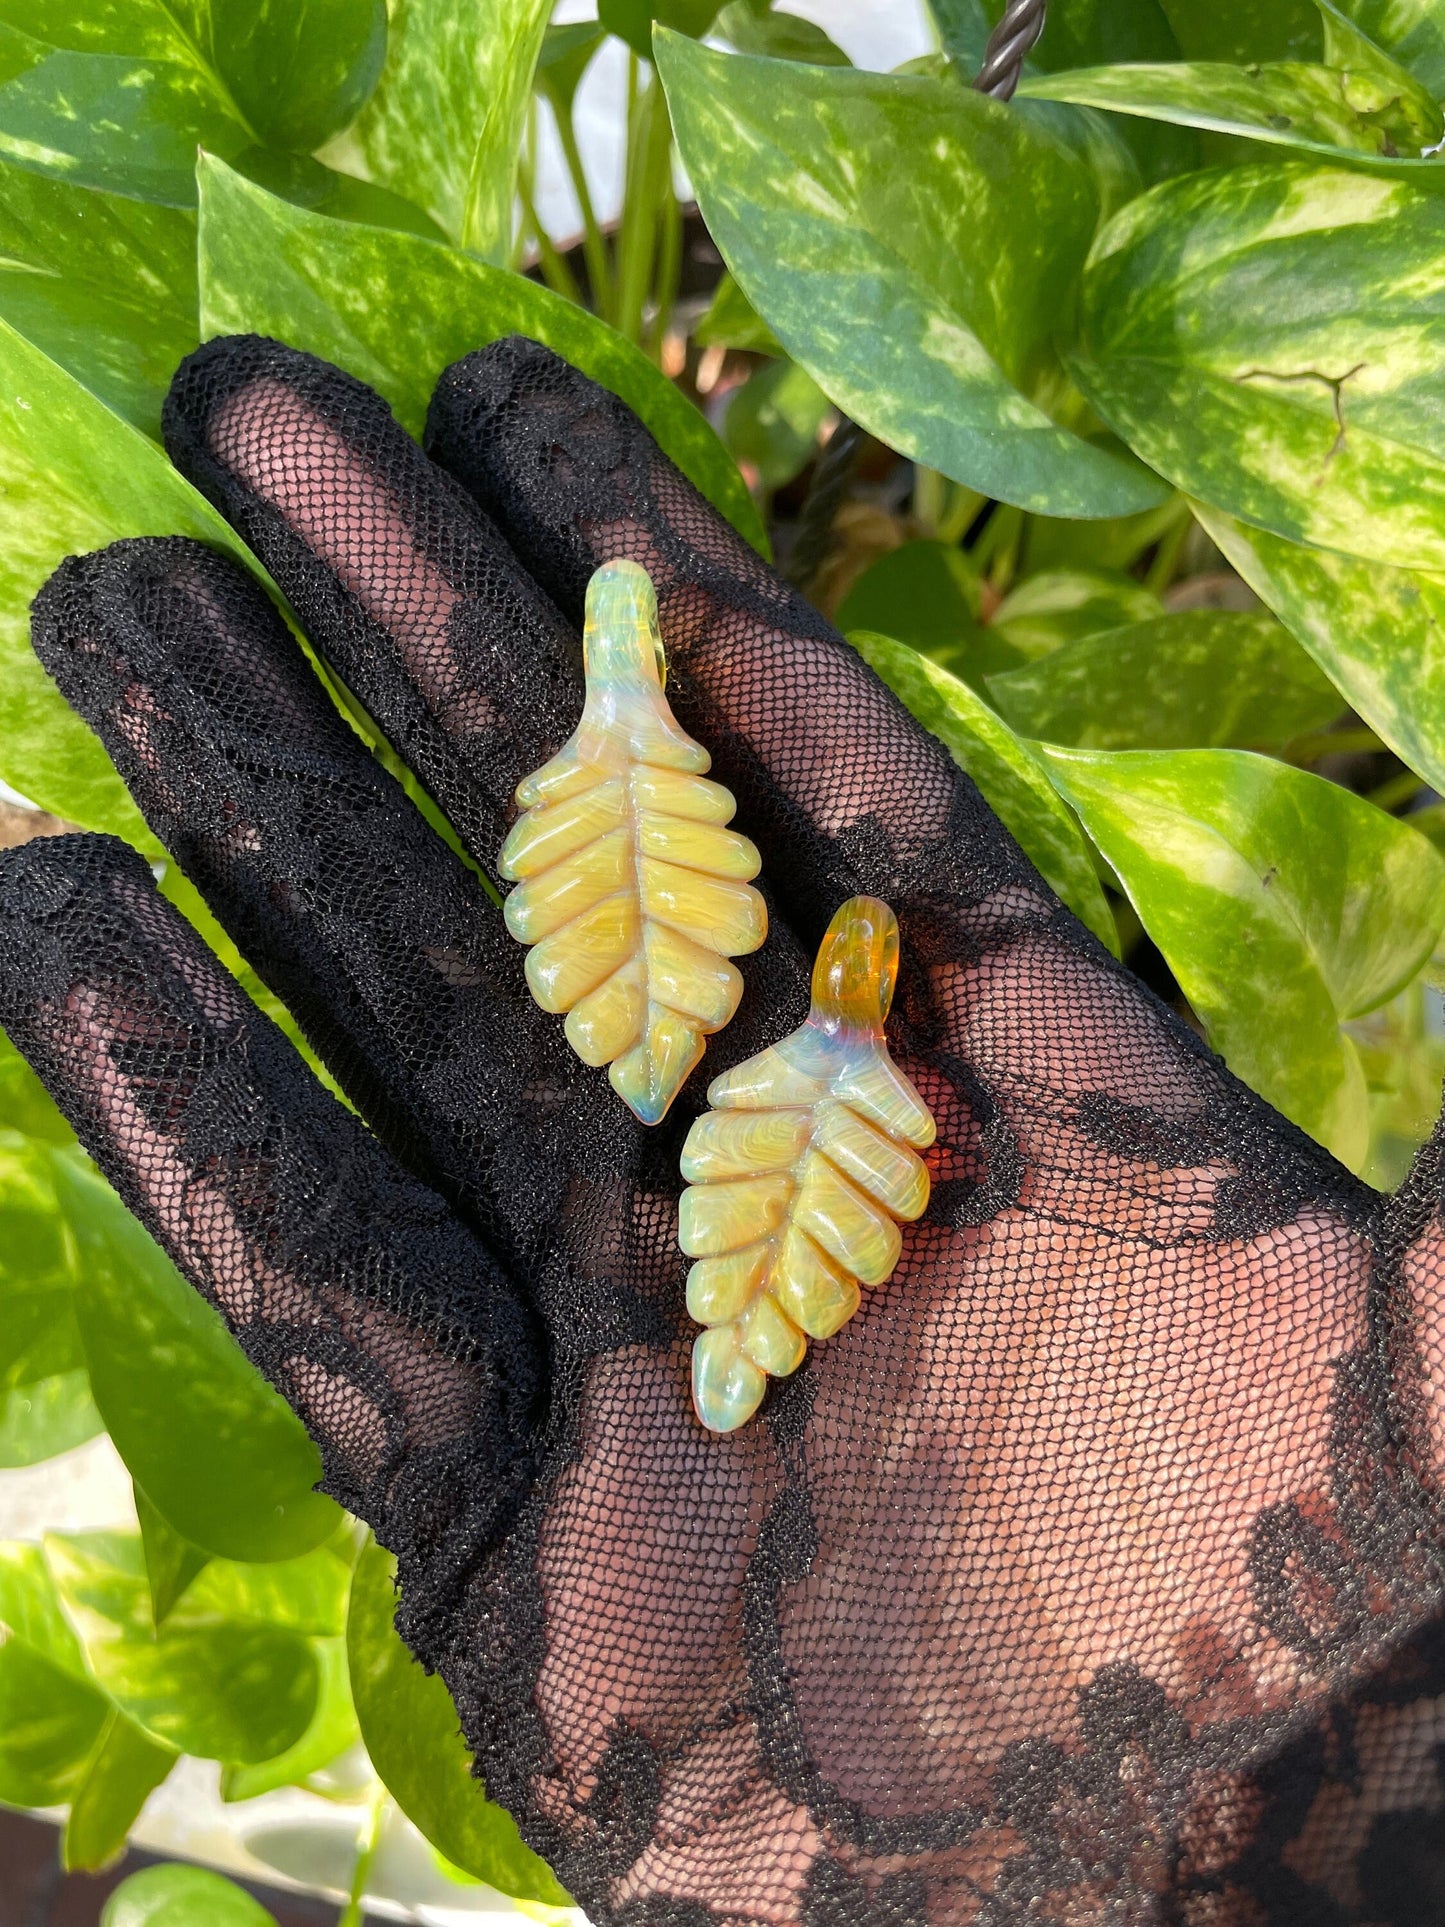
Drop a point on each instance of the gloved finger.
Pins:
(387, 1325)
(347, 903)
(839, 786)
(402, 586)
(356, 913)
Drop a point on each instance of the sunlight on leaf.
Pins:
(856, 211)
(395, 310)
(444, 124)
(1283, 904)
(410, 1728)
(1377, 633)
(1264, 336)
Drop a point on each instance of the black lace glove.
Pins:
(1091, 1574)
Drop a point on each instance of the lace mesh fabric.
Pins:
(1092, 1574)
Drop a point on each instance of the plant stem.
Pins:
(669, 267)
(930, 492)
(649, 162)
(368, 1841)
(995, 554)
(594, 247)
(956, 518)
(555, 271)
(942, 508)
(526, 179)
(1309, 748)
(1396, 789)
(1166, 556)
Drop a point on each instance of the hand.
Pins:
(1062, 1583)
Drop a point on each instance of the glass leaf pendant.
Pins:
(799, 1175)
(629, 889)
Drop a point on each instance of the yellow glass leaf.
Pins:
(799, 1175)
(631, 889)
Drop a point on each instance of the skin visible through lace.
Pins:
(1090, 1573)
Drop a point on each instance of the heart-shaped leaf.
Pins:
(1201, 678)
(1378, 634)
(914, 246)
(444, 125)
(224, 1685)
(1273, 340)
(1284, 905)
(180, 1896)
(395, 310)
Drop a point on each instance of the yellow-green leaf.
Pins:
(1273, 340)
(1014, 785)
(1284, 905)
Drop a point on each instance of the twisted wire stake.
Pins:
(1020, 24)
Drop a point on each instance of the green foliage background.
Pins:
(1168, 325)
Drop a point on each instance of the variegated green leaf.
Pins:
(914, 246)
(1088, 33)
(123, 121)
(73, 477)
(1412, 30)
(119, 96)
(50, 1725)
(755, 28)
(104, 284)
(1201, 678)
(1245, 30)
(1273, 340)
(444, 126)
(298, 69)
(395, 310)
(1057, 606)
(1378, 633)
(1317, 109)
(1284, 905)
(1014, 785)
(226, 1682)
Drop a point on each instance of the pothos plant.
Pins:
(1148, 524)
